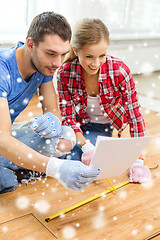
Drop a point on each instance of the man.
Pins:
(36, 145)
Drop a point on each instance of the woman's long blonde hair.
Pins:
(87, 31)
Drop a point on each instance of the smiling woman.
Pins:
(98, 90)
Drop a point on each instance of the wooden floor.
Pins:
(130, 213)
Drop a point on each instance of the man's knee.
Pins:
(65, 145)
(67, 140)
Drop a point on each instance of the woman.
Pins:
(96, 91)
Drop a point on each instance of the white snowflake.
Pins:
(22, 202)
(148, 227)
(103, 195)
(147, 185)
(68, 232)
(145, 44)
(29, 237)
(78, 124)
(4, 94)
(64, 101)
(4, 229)
(122, 194)
(134, 232)
(99, 221)
(68, 157)
(39, 105)
(19, 80)
(25, 101)
(101, 208)
(156, 56)
(146, 68)
(77, 108)
(30, 114)
(48, 141)
(14, 133)
(42, 206)
(41, 98)
(130, 48)
(53, 189)
(11, 111)
(30, 155)
(147, 111)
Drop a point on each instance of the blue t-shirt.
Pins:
(12, 86)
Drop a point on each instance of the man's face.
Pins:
(49, 54)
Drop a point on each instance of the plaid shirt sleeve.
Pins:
(130, 102)
(66, 104)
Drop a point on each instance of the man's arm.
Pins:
(14, 150)
(48, 99)
(49, 124)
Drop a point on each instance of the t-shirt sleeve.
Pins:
(47, 79)
(4, 80)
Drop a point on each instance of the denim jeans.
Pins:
(47, 147)
(90, 132)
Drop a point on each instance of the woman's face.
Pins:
(92, 57)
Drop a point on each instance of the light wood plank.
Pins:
(24, 228)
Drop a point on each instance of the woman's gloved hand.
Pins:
(138, 173)
(88, 151)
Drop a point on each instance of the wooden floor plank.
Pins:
(26, 227)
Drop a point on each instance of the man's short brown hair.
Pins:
(49, 23)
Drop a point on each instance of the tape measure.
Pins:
(87, 200)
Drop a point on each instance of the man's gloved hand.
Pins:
(71, 174)
(46, 125)
(138, 173)
(88, 151)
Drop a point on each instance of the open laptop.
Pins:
(115, 155)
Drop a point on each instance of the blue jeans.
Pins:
(90, 132)
(23, 132)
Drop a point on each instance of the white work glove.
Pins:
(46, 125)
(88, 151)
(71, 174)
(138, 173)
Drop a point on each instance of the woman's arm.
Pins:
(131, 103)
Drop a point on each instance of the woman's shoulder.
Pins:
(114, 60)
(115, 63)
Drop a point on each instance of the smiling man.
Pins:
(35, 146)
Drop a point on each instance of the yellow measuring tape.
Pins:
(87, 200)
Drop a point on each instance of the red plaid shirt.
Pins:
(117, 96)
